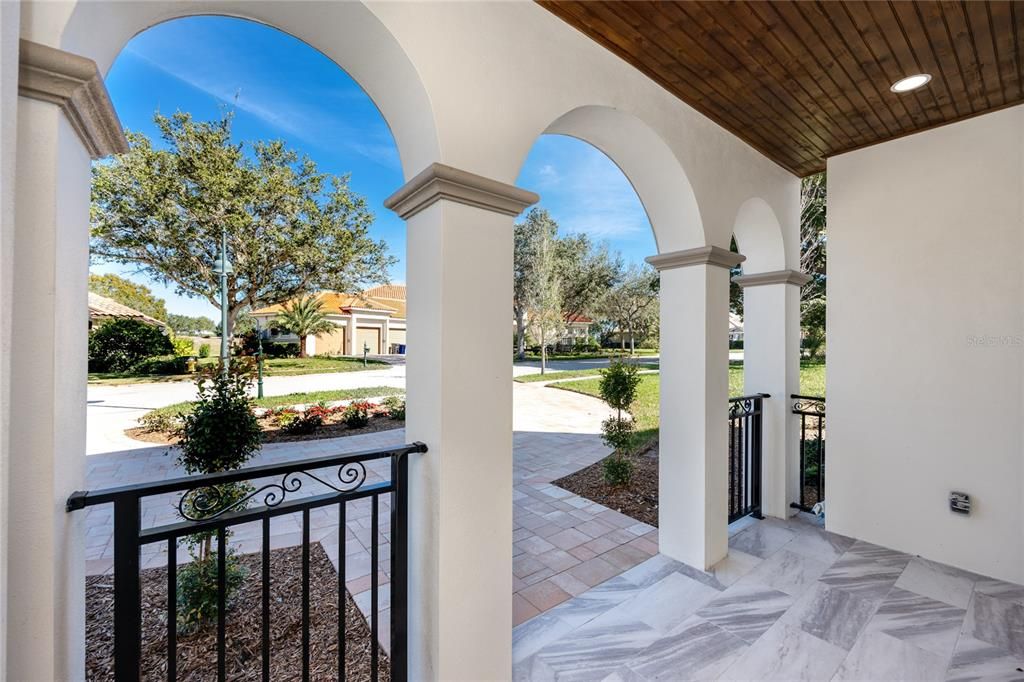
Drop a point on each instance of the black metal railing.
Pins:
(811, 410)
(365, 475)
(745, 435)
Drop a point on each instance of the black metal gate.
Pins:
(205, 509)
(745, 447)
(812, 450)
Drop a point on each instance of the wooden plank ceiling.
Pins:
(802, 81)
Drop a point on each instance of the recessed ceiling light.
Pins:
(911, 82)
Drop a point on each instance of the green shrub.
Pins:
(183, 347)
(118, 345)
(356, 415)
(394, 407)
(617, 470)
(162, 364)
(618, 388)
(220, 434)
(197, 589)
(204, 350)
(618, 385)
(617, 433)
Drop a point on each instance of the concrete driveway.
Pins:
(533, 366)
(112, 409)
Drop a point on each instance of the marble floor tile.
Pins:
(763, 539)
(663, 605)
(593, 652)
(833, 615)
(975, 660)
(696, 650)
(746, 610)
(877, 656)
(532, 670)
(651, 571)
(862, 576)
(536, 633)
(818, 544)
(924, 622)
(999, 622)
(788, 572)
(787, 653)
(624, 674)
(1000, 589)
(938, 581)
(596, 601)
(882, 555)
(734, 566)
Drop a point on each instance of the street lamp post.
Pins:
(222, 267)
(259, 359)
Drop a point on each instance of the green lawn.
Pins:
(298, 398)
(645, 409)
(271, 367)
(558, 375)
(610, 353)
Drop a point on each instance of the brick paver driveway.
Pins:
(564, 544)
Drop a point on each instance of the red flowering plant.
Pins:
(357, 414)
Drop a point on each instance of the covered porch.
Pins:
(925, 226)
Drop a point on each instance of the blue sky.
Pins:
(282, 89)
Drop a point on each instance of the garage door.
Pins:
(396, 337)
(331, 343)
(370, 337)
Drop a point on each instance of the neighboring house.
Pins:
(361, 321)
(577, 328)
(102, 308)
(735, 328)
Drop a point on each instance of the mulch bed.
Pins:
(638, 500)
(197, 653)
(273, 434)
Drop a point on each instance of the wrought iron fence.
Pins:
(205, 508)
(812, 449)
(745, 446)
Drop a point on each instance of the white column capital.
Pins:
(73, 83)
(702, 255)
(794, 277)
(438, 181)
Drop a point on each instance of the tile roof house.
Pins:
(362, 320)
(102, 308)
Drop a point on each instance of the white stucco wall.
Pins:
(925, 257)
(9, 24)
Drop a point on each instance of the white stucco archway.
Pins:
(348, 33)
(51, 254)
(656, 174)
(759, 237)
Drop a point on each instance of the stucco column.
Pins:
(693, 467)
(459, 383)
(771, 364)
(64, 118)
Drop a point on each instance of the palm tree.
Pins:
(304, 317)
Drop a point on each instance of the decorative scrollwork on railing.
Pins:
(206, 502)
(744, 407)
(809, 404)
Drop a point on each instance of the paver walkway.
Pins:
(564, 544)
(792, 602)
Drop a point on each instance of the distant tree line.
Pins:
(559, 279)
